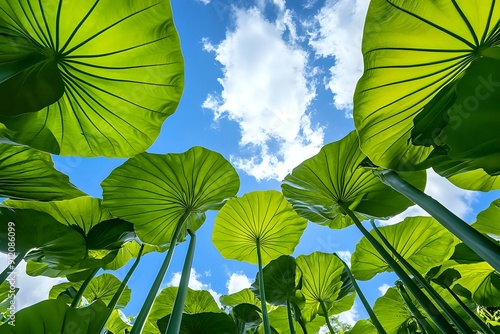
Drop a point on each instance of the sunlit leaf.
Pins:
(488, 221)
(324, 281)
(318, 184)
(415, 54)
(202, 323)
(153, 191)
(263, 218)
(117, 65)
(30, 174)
(362, 327)
(422, 241)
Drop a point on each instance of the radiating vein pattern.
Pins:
(121, 66)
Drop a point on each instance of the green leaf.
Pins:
(121, 77)
(7, 294)
(279, 321)
(84, 214)
(29, 77)
(202, 323)
(422, 241)
(413, 50)
(474, 180)
(477, 276)
(197, 301)
(281, 280)
(118, 323)
(247, 316)
(41, 235)
(129, 250)
(316, 186)
(259, 217)
(30, 174)
(110, 234)
(323, 281)
(153, 191)
(393, 314)
(102, 287)
(363, 327)
(240, 297)
(487, 221)
(54, 316)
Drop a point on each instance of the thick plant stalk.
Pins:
(480, 244)
(146, 307)
(433, 312)
(12, 266)
(416, 313)
(481, 324)
(79, 294)
(174, 324)
(290, 317)
(361, 296)
(265, 318)
(325, 312)
(448, 310)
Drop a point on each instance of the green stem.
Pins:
(361, 296)
(414, 310)
(433, 312)
(303, 326)
(265, 318)
(79, 294)
(12, 266)
(146, 307)
(480, 244)
(325, 313)
(449, 311)
(481, 324)
(290, 317)
(174, 324)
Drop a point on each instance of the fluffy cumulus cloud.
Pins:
(383, 288)
(237, 282)
(195, 283)
(266, 90)
(457, 200)
(336, 33)
(31, 289)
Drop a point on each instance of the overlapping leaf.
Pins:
(324, 281)
(88, 78)
(422, 241)
(30, 174)
(154, 191)
(415, 55)
(316, 186)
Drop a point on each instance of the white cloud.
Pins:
(280, 4)
(205, 2)
(456, 200)
(31, 289)
(337, 33)
(383, 288)
(266, 91)
(237, 282)
(346, 256)
(194, 283)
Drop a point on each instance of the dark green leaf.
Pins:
(202, 323)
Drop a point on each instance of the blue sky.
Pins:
(267, 84)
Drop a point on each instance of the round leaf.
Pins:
(415, 52)
(102, 287)
(281, 280)
(154, 191)
(316, 186)
(324, 281)
(121, 68)
(260, 217)
(422, 241)
(30, 174)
